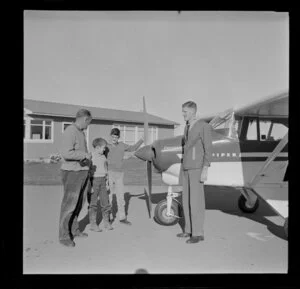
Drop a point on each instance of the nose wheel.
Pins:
(163, 217)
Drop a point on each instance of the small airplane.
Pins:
(249, 153)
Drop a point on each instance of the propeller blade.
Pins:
(149, 177)
(146, 124)
(149, 164)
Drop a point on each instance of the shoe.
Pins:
(81, 235)
(67, 243)
(95, 228)
(183, 235)
(124, 221)
(107, 225)
(195, 239)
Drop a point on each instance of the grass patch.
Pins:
(49, 174)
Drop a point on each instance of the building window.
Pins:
(38, 130)
(130, 134)
(65, 125)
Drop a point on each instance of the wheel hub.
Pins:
(166, 216)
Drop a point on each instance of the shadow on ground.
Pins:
(217, 198)
(85, 220)
(225, 199)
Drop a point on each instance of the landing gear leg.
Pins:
(169, 201)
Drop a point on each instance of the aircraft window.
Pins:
(265, 126)
(278, 131)
(252, 130)
(226, 124)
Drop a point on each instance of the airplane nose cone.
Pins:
(145, 153)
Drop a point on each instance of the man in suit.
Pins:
(197, 144)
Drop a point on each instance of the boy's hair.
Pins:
(115, 131)
(99, 142)
(190, 104)
(83, 112)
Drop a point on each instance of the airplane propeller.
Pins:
(149, 163)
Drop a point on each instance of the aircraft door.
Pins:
(259, 137)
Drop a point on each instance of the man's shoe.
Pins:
(125, 221)
(183, 235)
(195, 239)
(67, 243)
(81, 235)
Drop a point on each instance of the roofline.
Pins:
(172, 123)
(99, 118)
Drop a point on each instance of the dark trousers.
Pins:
(75, 184)
(100, 191)
(193, 201)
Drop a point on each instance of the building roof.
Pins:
(69, 110)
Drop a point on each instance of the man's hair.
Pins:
(99, 142)
(83, 112)
(115, 131)
(190, 104)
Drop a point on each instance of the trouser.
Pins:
(100, 191)
(116, 185)
(193, 201)
(75, 184)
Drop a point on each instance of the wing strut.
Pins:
(268, 161)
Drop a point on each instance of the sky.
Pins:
(113, 59)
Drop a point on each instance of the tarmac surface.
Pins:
(234, 242)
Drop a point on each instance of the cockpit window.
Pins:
(271, 130)
(226, 124)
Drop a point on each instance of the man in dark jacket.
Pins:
(197, 144)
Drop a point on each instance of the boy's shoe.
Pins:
(106, 221)
(67, 243)
(126, 222)
(108, 226)
(95, 228)
(81, 235)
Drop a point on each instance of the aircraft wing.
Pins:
(276, 195)
(275, 106)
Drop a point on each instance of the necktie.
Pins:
(187, 127)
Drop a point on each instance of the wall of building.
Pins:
(165, 132)
(98, 128)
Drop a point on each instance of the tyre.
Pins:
(160, 213)
(285, 226)
(244, 208)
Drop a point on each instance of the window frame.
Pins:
(63, 124)
(153, 131)
(28, 125)
(246, 129)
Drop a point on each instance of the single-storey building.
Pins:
(45, 122)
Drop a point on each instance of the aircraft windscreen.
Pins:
(226, 124)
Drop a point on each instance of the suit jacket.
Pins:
(197, 148)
